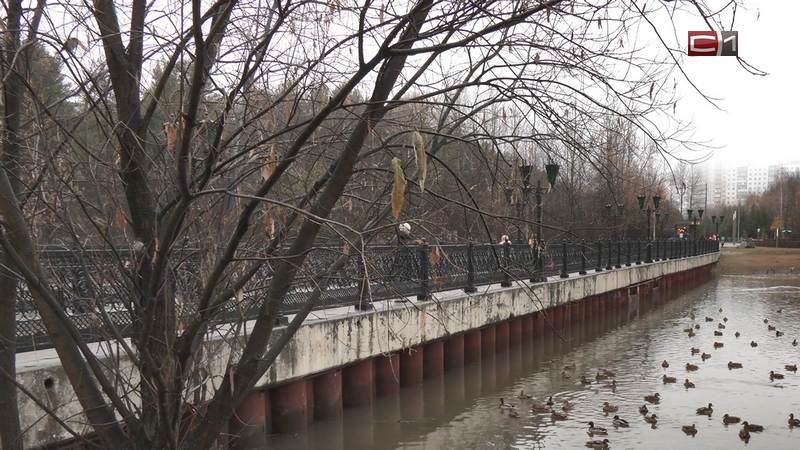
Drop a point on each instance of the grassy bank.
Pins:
(759, 260)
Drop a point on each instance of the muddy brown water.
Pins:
(460, 411)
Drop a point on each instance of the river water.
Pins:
(461, 410)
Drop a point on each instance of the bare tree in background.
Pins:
(242, 135)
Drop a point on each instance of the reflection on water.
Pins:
(461, 410)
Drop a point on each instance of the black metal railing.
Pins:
(93, 286)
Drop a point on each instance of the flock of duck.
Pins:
(562, 413)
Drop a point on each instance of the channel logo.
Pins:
(713, 43)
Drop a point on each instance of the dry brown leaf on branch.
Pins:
(71, 44)
(599, 23)
(270, 163)
(398, 189)
(536, 59)
(268, 223)
(171, 135)
(119, 218)
(435, 256)
(421, 158)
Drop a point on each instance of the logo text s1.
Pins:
(713, 43)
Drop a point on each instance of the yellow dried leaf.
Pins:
(270, 163)
(435, 256)
(421, 159)
(398, 189)
(171, 135)
(268, 223)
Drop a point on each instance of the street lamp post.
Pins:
(717, 224)
(552, 173)
(649, 211)
(616, 214)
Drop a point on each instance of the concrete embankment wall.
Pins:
(350, 361)
(341, 360)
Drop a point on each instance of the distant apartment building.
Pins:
(731, 186)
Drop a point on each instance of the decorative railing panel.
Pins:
(94, 286)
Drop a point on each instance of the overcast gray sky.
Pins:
(760, 121)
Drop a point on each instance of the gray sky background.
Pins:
(759, 122)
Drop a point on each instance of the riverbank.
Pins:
(759, 260)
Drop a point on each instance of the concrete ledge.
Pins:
(320, 345)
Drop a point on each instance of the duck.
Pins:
(621, 423)
(612, 385)
(737, 334)
(655, 398)
(791, 367)
(692, 334)
(688, 384)
(775, 375)
(565, 375)
(718, 345)
(601, 445)
(686, 330)
(766, 320)
(717, 333)
(600, 376)
(689, 429)
(705, 410)
(609, 408)
(744, 434)
(697, 326)
(725, 319)
(778, 333)
(667, 379)
(643, 409)
(792, 421)
(596, 430)
(753, 344)
(555, 415)
(728, 420)
(691, 316)
(550, 401)
(537, 407)
(608, 373)
(585, 380)
(709, 319)
(505, 405)
(752, 428)
(691, 367)
(794, 343)
(567, 406)
(651, 419)
(695, 351)
(721, 326)
(705, 356)
(523, 396)
(720, 310)
(664, 364)
(734, 365)
(780, 310)
(513, 414)
(770, 328)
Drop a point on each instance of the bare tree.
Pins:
(216, 145)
